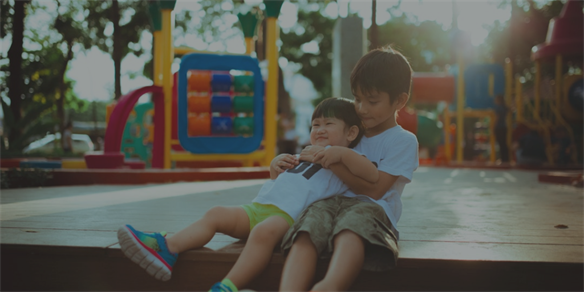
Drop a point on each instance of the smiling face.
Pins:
(331, 131)
(377, 111)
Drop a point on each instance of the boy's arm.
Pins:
(356, 163)
(358, 185)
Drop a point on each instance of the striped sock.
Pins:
(229, 284)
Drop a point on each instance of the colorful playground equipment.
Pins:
(471, 92)
(220, 102)
(218, 111)
(561, 110)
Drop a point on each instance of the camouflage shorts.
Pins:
(326, 218)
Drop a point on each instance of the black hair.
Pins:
(383, 70)
(342, 109)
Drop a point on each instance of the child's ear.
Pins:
(402, 99)
(353, 133)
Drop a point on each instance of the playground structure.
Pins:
(469, 91)
(215, 115)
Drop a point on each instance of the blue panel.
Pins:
(40, 164)
(476, 83)
(221, 83)
(221, 104)
(221, 126)
(232, 144)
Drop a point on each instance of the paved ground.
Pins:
(448, 213)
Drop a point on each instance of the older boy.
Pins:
(358, 230)
(263, 222)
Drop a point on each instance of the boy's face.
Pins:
(376, 111)
(331, 131)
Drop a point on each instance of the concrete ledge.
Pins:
(560, 177)
(62, 177)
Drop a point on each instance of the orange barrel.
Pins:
(199, 80)
(199, 103)
(433, 87)
(199, 124)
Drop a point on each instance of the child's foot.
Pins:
(148, 250)
(220, 287)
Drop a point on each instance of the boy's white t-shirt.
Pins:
(395, 151)
(295, 189)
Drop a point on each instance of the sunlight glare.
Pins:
(288, 15)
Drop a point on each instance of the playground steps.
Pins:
(87, 268)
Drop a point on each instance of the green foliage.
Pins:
(311, 26)
(23, 178)
(99, 16)
(515, 38)
(86, 113)
(425, 44)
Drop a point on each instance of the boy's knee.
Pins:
(303, 241)
(347, 236)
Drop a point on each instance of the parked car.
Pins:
(81, 144)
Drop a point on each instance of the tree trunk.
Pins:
(373, 40)
(15, 67)
(117, 51)
(62, 90)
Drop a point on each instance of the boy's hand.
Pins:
(309, 152)
(283, 162)
(329, 156)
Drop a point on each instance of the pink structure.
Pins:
(565, 35)
(112, 157)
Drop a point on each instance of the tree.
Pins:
(514, 39)
(126, 34)
(316, 66)
(425, 44)
(15, 57)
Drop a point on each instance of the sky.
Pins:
(92, 70)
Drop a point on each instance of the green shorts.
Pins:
(326, 218)
(259, 212)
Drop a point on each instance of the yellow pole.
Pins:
(536, 87)
(558, 81)
(460, 110)
(168, 56)
(447, 134)
(249, 46)
(508, 99)
(492, 118)
(158, 57)
(271, 88)
(519, 99)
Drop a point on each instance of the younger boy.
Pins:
(358, 229)
(264, 221)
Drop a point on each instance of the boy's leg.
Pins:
(345, 264)
(258, 250)
(232, 221)
(300, 265)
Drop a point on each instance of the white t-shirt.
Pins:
(395, 152)
(295, 189)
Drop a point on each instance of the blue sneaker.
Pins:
(148, 250)
(220, 287)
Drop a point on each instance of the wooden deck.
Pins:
(461, 229)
